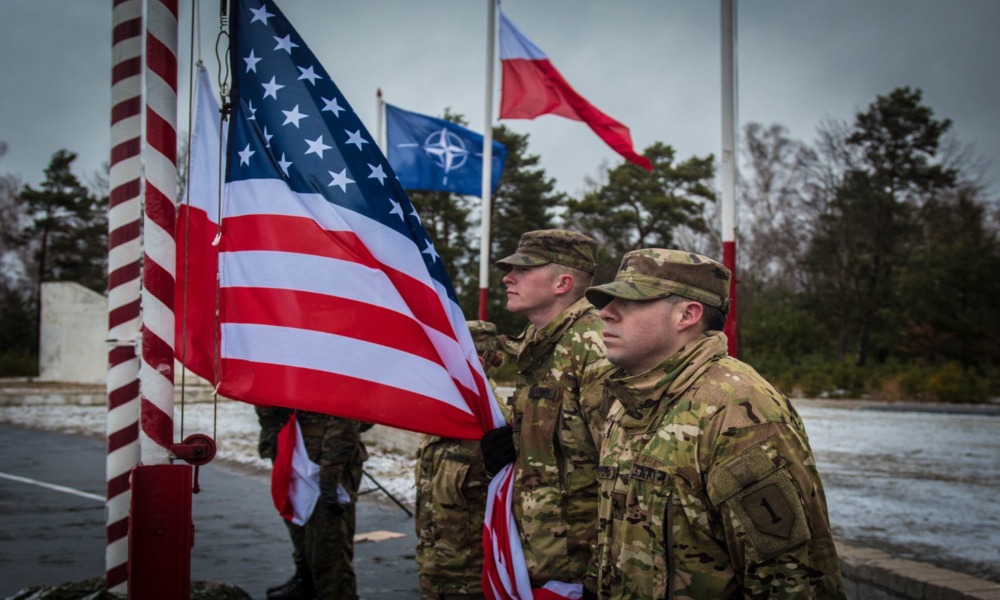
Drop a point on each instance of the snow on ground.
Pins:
(921, 485)
(233, 426)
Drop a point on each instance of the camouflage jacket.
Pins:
(451, 502)
(558, 420)
(708, 487)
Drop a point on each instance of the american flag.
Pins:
(332, 297)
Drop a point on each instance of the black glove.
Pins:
(589, 595)
(328, 498)
(498, 449)
(267, 447)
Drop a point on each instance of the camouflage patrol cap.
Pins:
(561, 246)
(652, 273)
(484, 335)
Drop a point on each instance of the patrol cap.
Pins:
(652, 273)
(484, 335)
(560, 246)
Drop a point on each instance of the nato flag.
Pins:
(432, 154)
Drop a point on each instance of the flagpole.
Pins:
(728, 35)
(379, 112)
(124, 260)
(487, 208)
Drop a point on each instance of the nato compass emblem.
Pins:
(446, 149)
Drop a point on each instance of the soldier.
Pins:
(323, 548)
(708, 487)
(451, 501)
(556, 408)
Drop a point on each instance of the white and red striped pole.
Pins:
(124, 254)
(156, 370)
(728, 35)
(487, 185)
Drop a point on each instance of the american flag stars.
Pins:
(299, 128)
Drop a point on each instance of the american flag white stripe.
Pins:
(308, 273)
(273, 197)
(321, 275)
(355, 358)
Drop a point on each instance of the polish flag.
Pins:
(294, 478)
(196, 229)
(531, 86)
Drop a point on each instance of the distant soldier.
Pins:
(557, 415)
(323, 548)
(451, 501)
(708, 487)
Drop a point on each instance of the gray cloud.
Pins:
(652, 64)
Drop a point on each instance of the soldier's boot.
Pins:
(298, 587)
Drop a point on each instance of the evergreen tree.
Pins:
(866, 232)
(446, 218)
(67, 228)
(950, 287)
(524, 201)
(636, 208)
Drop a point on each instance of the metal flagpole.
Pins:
(487, 205)
(124, 254)
(156, 371)
(379, 121)
(728, 13)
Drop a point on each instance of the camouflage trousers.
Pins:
(451, 501)
(325, 547)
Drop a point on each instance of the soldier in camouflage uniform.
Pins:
(708, 486)
(451, 501)
(323, 548)
(557, 415)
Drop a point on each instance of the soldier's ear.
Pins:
(691, 315)
(563, 283)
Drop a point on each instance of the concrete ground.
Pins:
(50, 536)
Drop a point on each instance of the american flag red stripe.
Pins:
(303, 236)
(325, 314)
(332, 297)
(326, 309)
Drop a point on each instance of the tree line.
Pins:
(867, 260)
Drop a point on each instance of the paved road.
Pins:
(49, 536)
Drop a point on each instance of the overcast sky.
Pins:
(652, 64)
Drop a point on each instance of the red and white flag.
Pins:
(331, 297)
(531, 87)
(295, 477)
(196, 228)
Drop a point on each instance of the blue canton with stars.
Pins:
(291, 122)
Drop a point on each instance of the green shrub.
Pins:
(18, 363)
(952, 383)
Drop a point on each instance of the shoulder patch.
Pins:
(769, 511)
(761, 497)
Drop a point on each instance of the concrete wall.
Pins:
(871, 574)
(73, 329)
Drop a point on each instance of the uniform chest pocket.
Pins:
(649, 491)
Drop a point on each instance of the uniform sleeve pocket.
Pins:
(757, 491)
